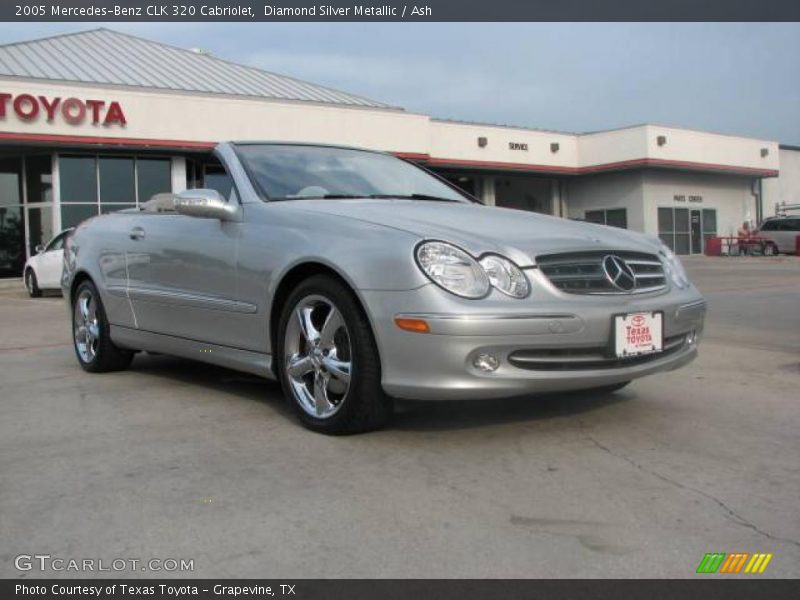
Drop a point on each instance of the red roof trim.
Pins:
(678, 164)
(413, 156)
(615, 166)
(104, 141)
(455, 162)
(418, 156)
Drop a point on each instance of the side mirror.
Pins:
(38, 249)
(205, 204)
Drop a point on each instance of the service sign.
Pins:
(75, 111)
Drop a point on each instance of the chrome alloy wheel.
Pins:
(317, 356)
(29, 282)
(86, 329)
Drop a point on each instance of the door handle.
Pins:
(137, 233)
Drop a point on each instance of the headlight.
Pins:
(505, 276)
(674, 268)
(453, 269)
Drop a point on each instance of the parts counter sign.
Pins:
(75, 111)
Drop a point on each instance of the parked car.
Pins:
(355, 277)
(43, 270)
(782, 233)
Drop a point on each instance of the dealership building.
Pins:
(97, 121)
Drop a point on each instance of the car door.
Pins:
(51, 262)
(183, 277)
(774, 230)
(770, 230)
(788, 235)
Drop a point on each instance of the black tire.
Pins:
(770, 250)
(364, 406)
(104, 356)
(32, 284)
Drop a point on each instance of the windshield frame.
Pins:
(466, 198)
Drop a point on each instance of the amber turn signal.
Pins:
(414, 325)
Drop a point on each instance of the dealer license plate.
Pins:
(638, 333)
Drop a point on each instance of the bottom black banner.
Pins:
(400, 589)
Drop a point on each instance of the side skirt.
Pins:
(224, 356)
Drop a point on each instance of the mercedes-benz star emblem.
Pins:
(619, 273)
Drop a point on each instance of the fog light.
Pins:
(691, 337)
(486, 362)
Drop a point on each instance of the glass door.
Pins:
(12, 217)
(40, 226)
(38, 201)
(696, 231)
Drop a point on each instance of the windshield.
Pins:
(287, 172)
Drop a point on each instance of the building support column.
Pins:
(488, 190)
(178, 174)
(558, 201)
(55, 178)
(555, 198)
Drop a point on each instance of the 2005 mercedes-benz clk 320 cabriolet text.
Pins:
(355, 277)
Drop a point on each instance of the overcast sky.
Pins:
(731, 78)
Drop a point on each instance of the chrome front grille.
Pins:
(583, 272)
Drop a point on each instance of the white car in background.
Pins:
(782, 233)
(43, 270)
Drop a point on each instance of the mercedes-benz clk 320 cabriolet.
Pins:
(355, 277)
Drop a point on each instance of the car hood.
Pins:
(520, 235)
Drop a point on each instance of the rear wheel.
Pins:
(31, 284)
(91, 333)
(328, 360)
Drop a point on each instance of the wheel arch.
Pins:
(77, 279)
(289, 281)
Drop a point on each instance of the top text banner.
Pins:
(392, 10)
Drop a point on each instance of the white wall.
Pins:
(196, 117)
(730, 196)
(609, 190)
(689, 146)
(163, 115)
(785, 187)
(642, 192)
(614, 146)
(458, 142)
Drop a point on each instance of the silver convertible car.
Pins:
(355, 277)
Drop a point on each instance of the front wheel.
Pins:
(770, 250)
(328, 360)
(32, 285)
(91, 334)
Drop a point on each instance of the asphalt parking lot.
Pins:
(174, 459)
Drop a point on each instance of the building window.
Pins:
(78, 175)
(676, 231)
(40, 225)
(39, 178)
(73, 214)
(613, 217)
(117, 181)
(216, 178)
(153, 176)
(91, 185)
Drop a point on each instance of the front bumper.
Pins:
(549, 342)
